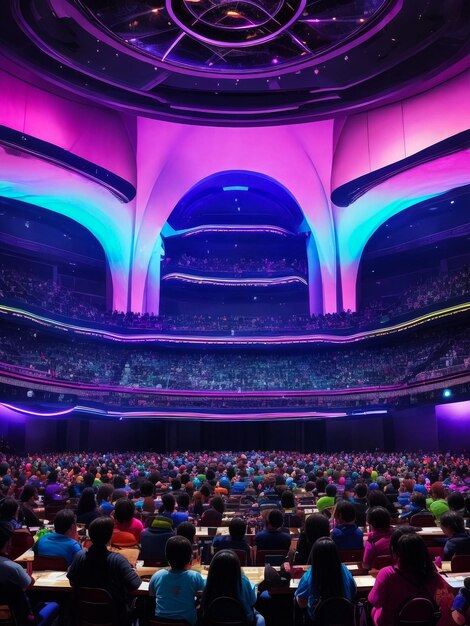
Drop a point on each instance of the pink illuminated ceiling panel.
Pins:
(194, 153)
(91, 132)
(380, 137)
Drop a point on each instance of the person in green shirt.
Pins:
(327, 501)
(438, 502)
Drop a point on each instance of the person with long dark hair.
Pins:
(87, 509)
(327, 578)
(225, 579)
(412, 576)
(316, 526)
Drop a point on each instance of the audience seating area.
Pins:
(54, 506)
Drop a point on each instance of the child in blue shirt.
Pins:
(175, 589)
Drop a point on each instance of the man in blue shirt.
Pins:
(274, 537)
(63, 542)
(347, 535)
(236, 539)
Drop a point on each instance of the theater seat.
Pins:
(96, 608)
(460, 563)
(21, 541)
(335, 612)
(56, 563)
(418, 612)
(225, 611)
(263, 556)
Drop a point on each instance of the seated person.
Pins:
(346, 534)
(214, 514)
(328, 501)
(378, 541)
(28, 505)
(458, 542)
(153, 540)
(97, 567)
(456, 502)
(225, 579)
(54, 490)
(124, 519)
(378, 498)
(87, 509)
(147, 495)
(14, 580)
(417, 506)
(293, 517)
(104, 499)
(236, 539)
(168, 509)
(437, 503)
(274, 537)
(316, 526)
(327, 578)
(175, 589)
(63, 542)
(188, 530)
(461, 605)
(360, 503)
(9, 511)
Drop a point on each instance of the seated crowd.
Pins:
(323, 368)
(232, 266)
(52, 297)
(365, 507)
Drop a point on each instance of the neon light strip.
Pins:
(228, 228)
(237, 341)
(234, 282)
(235, 188)
(184, 414)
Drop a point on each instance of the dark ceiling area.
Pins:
(237, 62)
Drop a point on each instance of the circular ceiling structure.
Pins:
(232, 35)
(236, 62)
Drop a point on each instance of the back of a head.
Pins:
(379, 518)
(237, 529)
(101, 531)
(218, 504)
(183, 501)
(8, 508)
(327, 579)
(124, 510)
(345, 512)
(287, 500)
(316, 526)
(418, 500)
(361, 490)
(377, 498)
(397, 534)
(168, 502)
(52, 477)
(104, 492)
(413, 556)
(186, 529)
(331, 490)
(452, 521)
(87, 501)
(224, 577)
(456, 501)
(175, 484)
(275, 518)
(146, 489)
(64, 520)
(179, 552)
(88, 479)
(437, 491)
(28, 492)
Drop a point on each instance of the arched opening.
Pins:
(236, 244)
(418, 257)
(52, 262)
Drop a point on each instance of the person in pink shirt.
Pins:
(378, 541)
(124, 519)
(412, 576)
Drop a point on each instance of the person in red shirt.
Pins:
(124, 519)
(378, 541)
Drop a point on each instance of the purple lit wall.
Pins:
(163, 161)
(453, 424)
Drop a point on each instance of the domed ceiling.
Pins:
(237, 62)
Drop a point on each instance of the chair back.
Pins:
(14, 605)
(384, 560)
(422, 519)
(42, 563)
(242, 554)
(348, 556)
(6, 616)
(21, 541)
(122, 539)
(335, 612)
(225, 611)
(460, 563)
(273, 557)
(51, 510)
(418, 612)
(96, 608)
